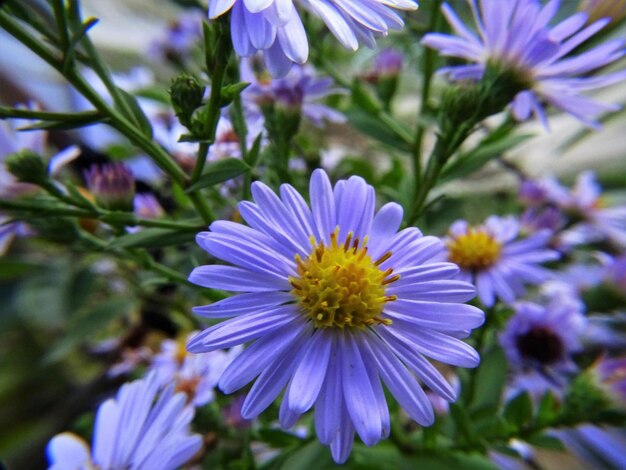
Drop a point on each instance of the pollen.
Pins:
(474, 251)
(341, 286)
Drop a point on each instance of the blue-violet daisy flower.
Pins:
(335, 300)
(194, 374)
(539, 340)
(275, 27)
(143, 427)
(515, 35)
(493, 258)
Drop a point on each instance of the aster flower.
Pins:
(112, 185)
(515, 36)
(178, 40)
(275, 27)
(493, 258)
(595, 446)
(142, 427)
(590, 218)
(194, 374)
(334, 301)
(539, 340)
(299, 92)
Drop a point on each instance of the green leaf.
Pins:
(218, 172)
(545, 441)
(490, 379)
(474, 160)
(130, 109)
(231, 91)
(278, 438)
(10, 270)
(252, 155)
(152, 238)
(312, 455)
(547, 410)
(372, 127)
(519, 410)
(444, 460)
(89, 323)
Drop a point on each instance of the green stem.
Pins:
(428, 69)
(111, 217)
(215, 98)
(87, 116)
(160, 156)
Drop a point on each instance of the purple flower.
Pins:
(539, 340)
(595, 446)
(493, 258)
(112, 185)
(179, 39)
(387, 64)
(591, 218)
(147, 206)
(194, 374)
(336, 302)
(142, 427)
(300, 91)
(514, 35)
(275, 27)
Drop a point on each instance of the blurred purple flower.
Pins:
(142, 427)
(589, 217)
(514, 35)
(493, 258)
(538, 342)
(179, 38)
(300, 91)
(194, 374)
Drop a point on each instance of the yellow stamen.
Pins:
(340, 286)
(474, 251)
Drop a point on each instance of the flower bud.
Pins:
(27, 167)
(112, 186)
(186, 94)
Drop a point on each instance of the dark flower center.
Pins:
(541, 345)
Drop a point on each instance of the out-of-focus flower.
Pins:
(146, 205)
(495, 261)
(614, 10)
(514, 37)
(539, 340)
(275, 27)
(112, 185)
(587, 215)
(195, 374)
(142, 427)
(335, 300)
(595, 446)
(385, 73)
(177, 42)
(609, 374)
(615, 272)
(300, 92)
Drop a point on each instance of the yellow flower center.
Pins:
(474, 250)
(341, 286)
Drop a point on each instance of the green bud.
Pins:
(585, 401)
(27, 167)
(186, 94)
